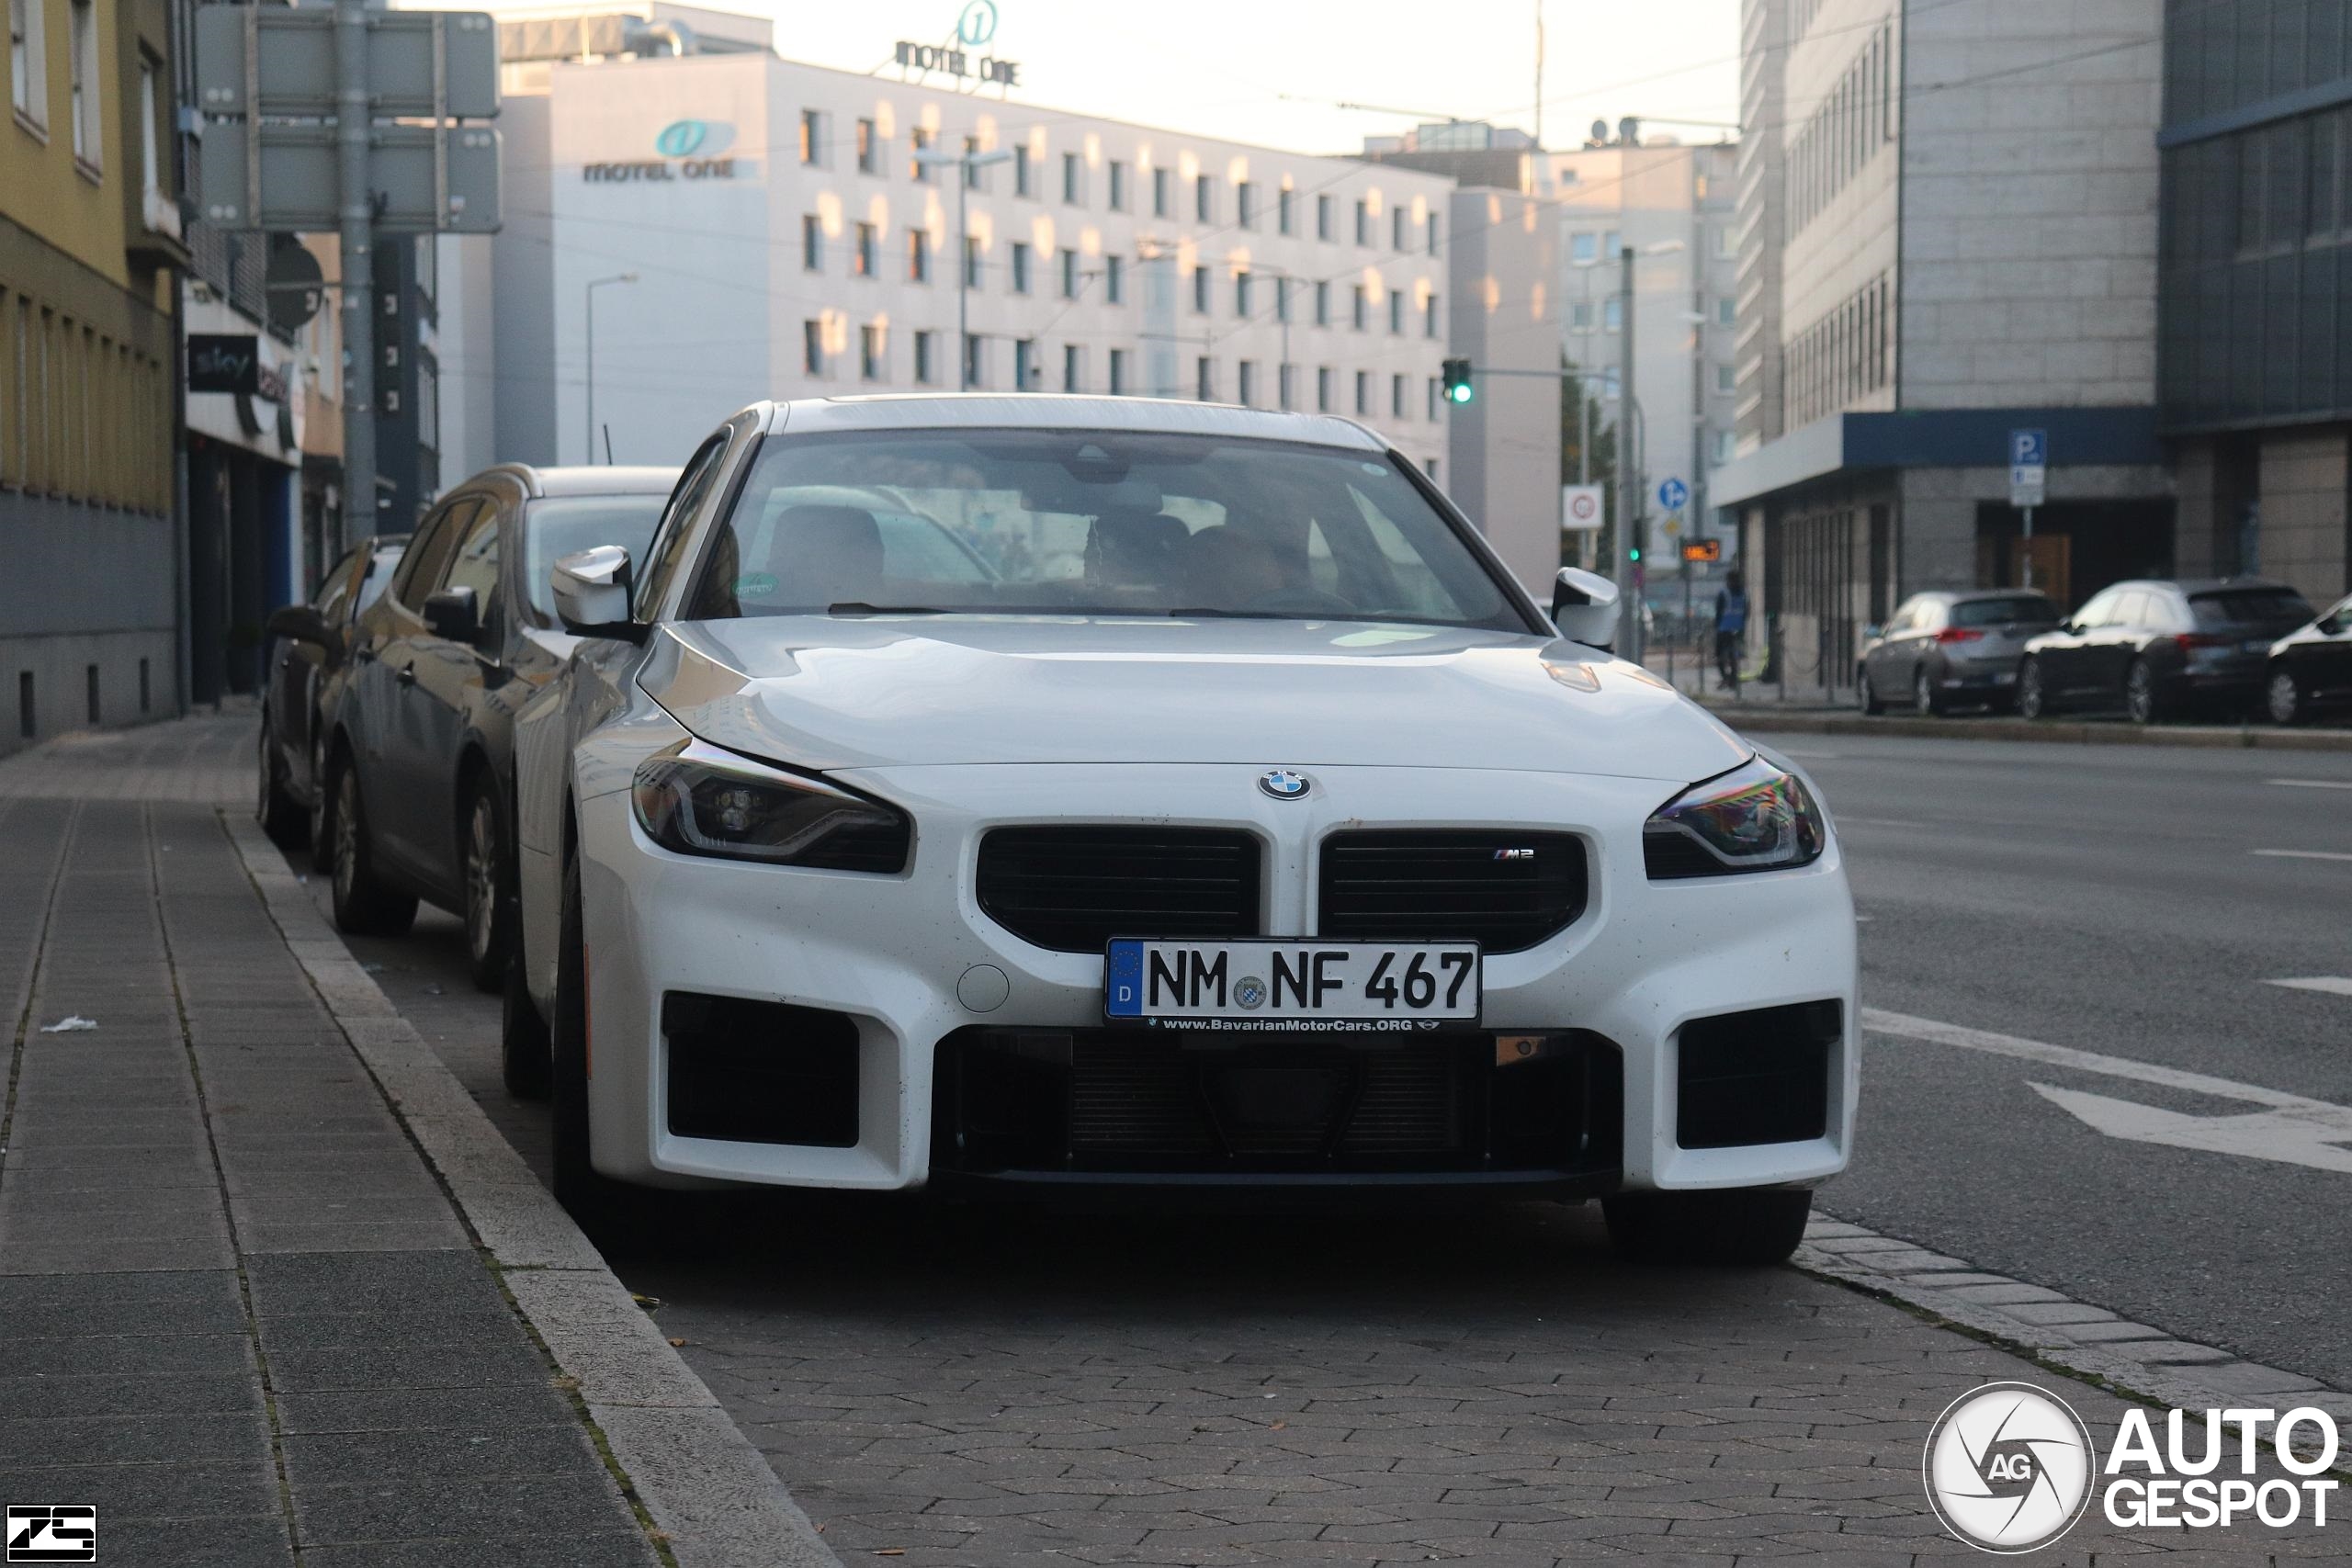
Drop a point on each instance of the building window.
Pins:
(1070, 274)
(82, 60)
(1432, 227)
(812, 136)
(1429, 466)
(1363, 393)
(1073, 369)
(1612, 313)
(813, 244)
(974, 368)
(812, 349)
(1428, 317)
(1205, 372)
(1242, 298)
(1584, 249)
(1363, 316)
(29, 63)
(1246, 382)
(1611, 245)
(971, 262)
(1363, 224)
(1726, 313)
(919, 255)
(871, 348)
(1431, 395)
(1020, 267)
(1397, 220)
(1022, 179)
(1160, 189)
(973, 171)
(1322, 216)
(1286, 210)
(1580, 315)
(1024, 364)
(870, 241)
(1287, 387)
(1118, 372)
(1322, 302)
(151, 143)
(1073, 180)
(1203, 199)
(1396, 397)
(869, 148)
(1118, 182)
(1727, 378)
(1200, 291)
(1281, 297)
(1396, 312)
(1245, 209)
(1114, 279)
(1323, 388)
(918, 143)
(926, 358)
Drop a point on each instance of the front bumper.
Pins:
(891, 964)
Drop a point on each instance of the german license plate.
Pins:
(1344, 986)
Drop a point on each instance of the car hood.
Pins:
(826, 693)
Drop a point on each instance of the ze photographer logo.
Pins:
(54, 1532)
(2011, 1468)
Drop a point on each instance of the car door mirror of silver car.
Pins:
(299, 623)
(1584, 607)
(592, 591)
(1872, 632)
(454, 614)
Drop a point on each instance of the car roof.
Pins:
(1969, 595)
(596, 479)
(1055, 410)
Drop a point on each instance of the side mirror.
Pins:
(299, 623)
(454, 614)
(2329, 626)
(1584, 607)
(592, 588)
(1872, 632)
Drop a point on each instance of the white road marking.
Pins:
(2311, 783)
(2333, 985)
(2292, 1130)
(1897, 822)
(1864, 919)
(2303, 854)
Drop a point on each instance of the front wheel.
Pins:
(364, 904)
(274, 808)
(490, 920)
(2284, 697)
(2142, 697)
(1740, 1227)
(1923, 695)
(321, 809)
(597, 1202)
(2033, 702)
(1866, 694)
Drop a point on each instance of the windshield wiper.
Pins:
(860, 607)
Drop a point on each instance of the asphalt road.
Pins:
(2134, 902)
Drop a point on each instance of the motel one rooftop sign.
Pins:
(973, 30)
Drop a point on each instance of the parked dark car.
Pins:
(1945, 649)
(2156, 648)
(2311, 668)
(419, 743)
(313, 642)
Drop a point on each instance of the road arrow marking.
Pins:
(2333, 985)
(2286, 1136)
(1984, 1040)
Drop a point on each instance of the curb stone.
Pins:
(2072, 1334)
(711, 1492)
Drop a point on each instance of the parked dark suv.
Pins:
(2311, 668)
(1946, 649)
(2155, 648)
(313, 643)
(419, 723)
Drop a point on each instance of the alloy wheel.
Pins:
(2030, 697)
(1923, 692)
(481, 878)
(2139, 695)
(2285, 698)
(267, 772)
(346, 833)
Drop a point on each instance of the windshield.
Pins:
(2249, 606)
(555, 528)
(2029, 608)
(1089, 522)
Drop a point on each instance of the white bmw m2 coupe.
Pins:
(1044, 792)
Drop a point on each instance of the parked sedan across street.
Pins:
(1942, 648)
(417, 724)
(1247, 827)
(315, 643)
(2154, 649)
(2311, 668)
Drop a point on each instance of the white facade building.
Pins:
(787, 241)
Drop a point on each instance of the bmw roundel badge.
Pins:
(1282, 784)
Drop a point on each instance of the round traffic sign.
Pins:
(1583, 508)
(1672, 494)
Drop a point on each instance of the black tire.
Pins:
(273, 807)
(2283, 696)
(2144, 699)
(2033, 702)
(1923, 695)
(595, 1201)
(321, 806)
(1865, 693)
(364, 904)
(524, 1061)
(487, 874)
(1741, 1226)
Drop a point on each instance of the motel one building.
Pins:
(788, 237)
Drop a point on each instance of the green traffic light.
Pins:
(1637, 552)
(1460, 392)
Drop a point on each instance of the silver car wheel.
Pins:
(481, 878)
(2285, 698)
(346, 833)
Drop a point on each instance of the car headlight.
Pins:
(698, 800)
(1755, 818)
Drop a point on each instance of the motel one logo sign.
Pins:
(689, 149)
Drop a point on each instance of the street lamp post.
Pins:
(594, 284)
(964, 163)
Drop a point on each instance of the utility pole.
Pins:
(1627, 572)
(355, 115)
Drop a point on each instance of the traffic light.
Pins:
(1457, 373)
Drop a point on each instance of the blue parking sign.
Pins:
(2029, 448)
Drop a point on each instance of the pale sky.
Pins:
(1222, 67)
